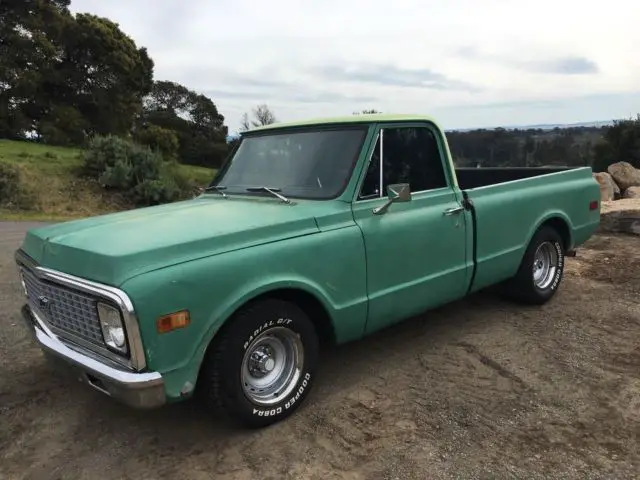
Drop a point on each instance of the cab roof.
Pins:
(350, 119)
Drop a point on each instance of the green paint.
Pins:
(211, 255)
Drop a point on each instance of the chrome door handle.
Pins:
(453, 211)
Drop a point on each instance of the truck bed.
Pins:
(509, 204)
(470, 177)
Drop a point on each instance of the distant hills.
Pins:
(541, 126)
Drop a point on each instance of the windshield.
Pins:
(306, 164)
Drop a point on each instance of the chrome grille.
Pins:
(67, 310)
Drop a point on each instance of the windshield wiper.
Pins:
(272, 191)
(217, 188)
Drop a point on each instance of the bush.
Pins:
(13, 194)
(105, 152)
(136, 170)
(155, 192)
(161, 139)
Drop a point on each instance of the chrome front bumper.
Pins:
(139, 390)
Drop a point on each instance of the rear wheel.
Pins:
(263, 365)
(541, 270)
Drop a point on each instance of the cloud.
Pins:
(262, 86)
(390, 75)
(565, 65)
(568, 109)
(310, 59)
(293, 94)
(573, 65)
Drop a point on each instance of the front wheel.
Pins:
(263, 365)
(541, 269)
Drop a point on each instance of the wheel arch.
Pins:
(561, 226)
(556, 220)
(311, 302)
(560, 223)
(307, 302)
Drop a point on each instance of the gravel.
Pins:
(481, 388)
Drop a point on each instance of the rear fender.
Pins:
(552, 218)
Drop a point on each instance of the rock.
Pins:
(621, 216)
(607, 190)
(616, 189)
(632, 192)
(625, 175)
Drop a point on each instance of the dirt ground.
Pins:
(479, 389)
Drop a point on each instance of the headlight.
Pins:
(112, 329)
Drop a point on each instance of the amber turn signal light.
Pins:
(173, 321)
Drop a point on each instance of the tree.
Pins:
(193, 117)
(31, 40)
(262, 115)
(159, 139)
(515, 147)
(64, 78)
(105, 74)
(620, 143)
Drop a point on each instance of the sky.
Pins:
(469, 63)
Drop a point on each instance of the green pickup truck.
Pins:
(312, 232)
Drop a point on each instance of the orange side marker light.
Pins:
(173, 321)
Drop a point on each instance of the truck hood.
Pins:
(112, 248)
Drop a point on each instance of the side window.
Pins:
(409, 155)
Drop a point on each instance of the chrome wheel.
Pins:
(545, 265)
(272, 365)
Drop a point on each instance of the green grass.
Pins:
(50, 160)
(198, 175)
(51, 175)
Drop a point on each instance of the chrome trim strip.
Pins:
(141, 390)
(381, 179)
(363, 174)
(137, 359)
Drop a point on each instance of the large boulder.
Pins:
(632, 192)
(616, 189)
(625, 175)
(621, 216)
(607, 186)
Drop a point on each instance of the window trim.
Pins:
(363, 173)
(380, 135)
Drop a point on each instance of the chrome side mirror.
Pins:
(399, 192)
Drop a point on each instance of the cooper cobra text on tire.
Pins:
(263, 364)
(541, 270)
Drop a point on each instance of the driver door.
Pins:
(417, 256)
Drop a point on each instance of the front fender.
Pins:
(331, 266)
(256, 288)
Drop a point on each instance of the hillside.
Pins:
(54, 189)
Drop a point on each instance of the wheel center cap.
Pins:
(262, 362)
(269, 364)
